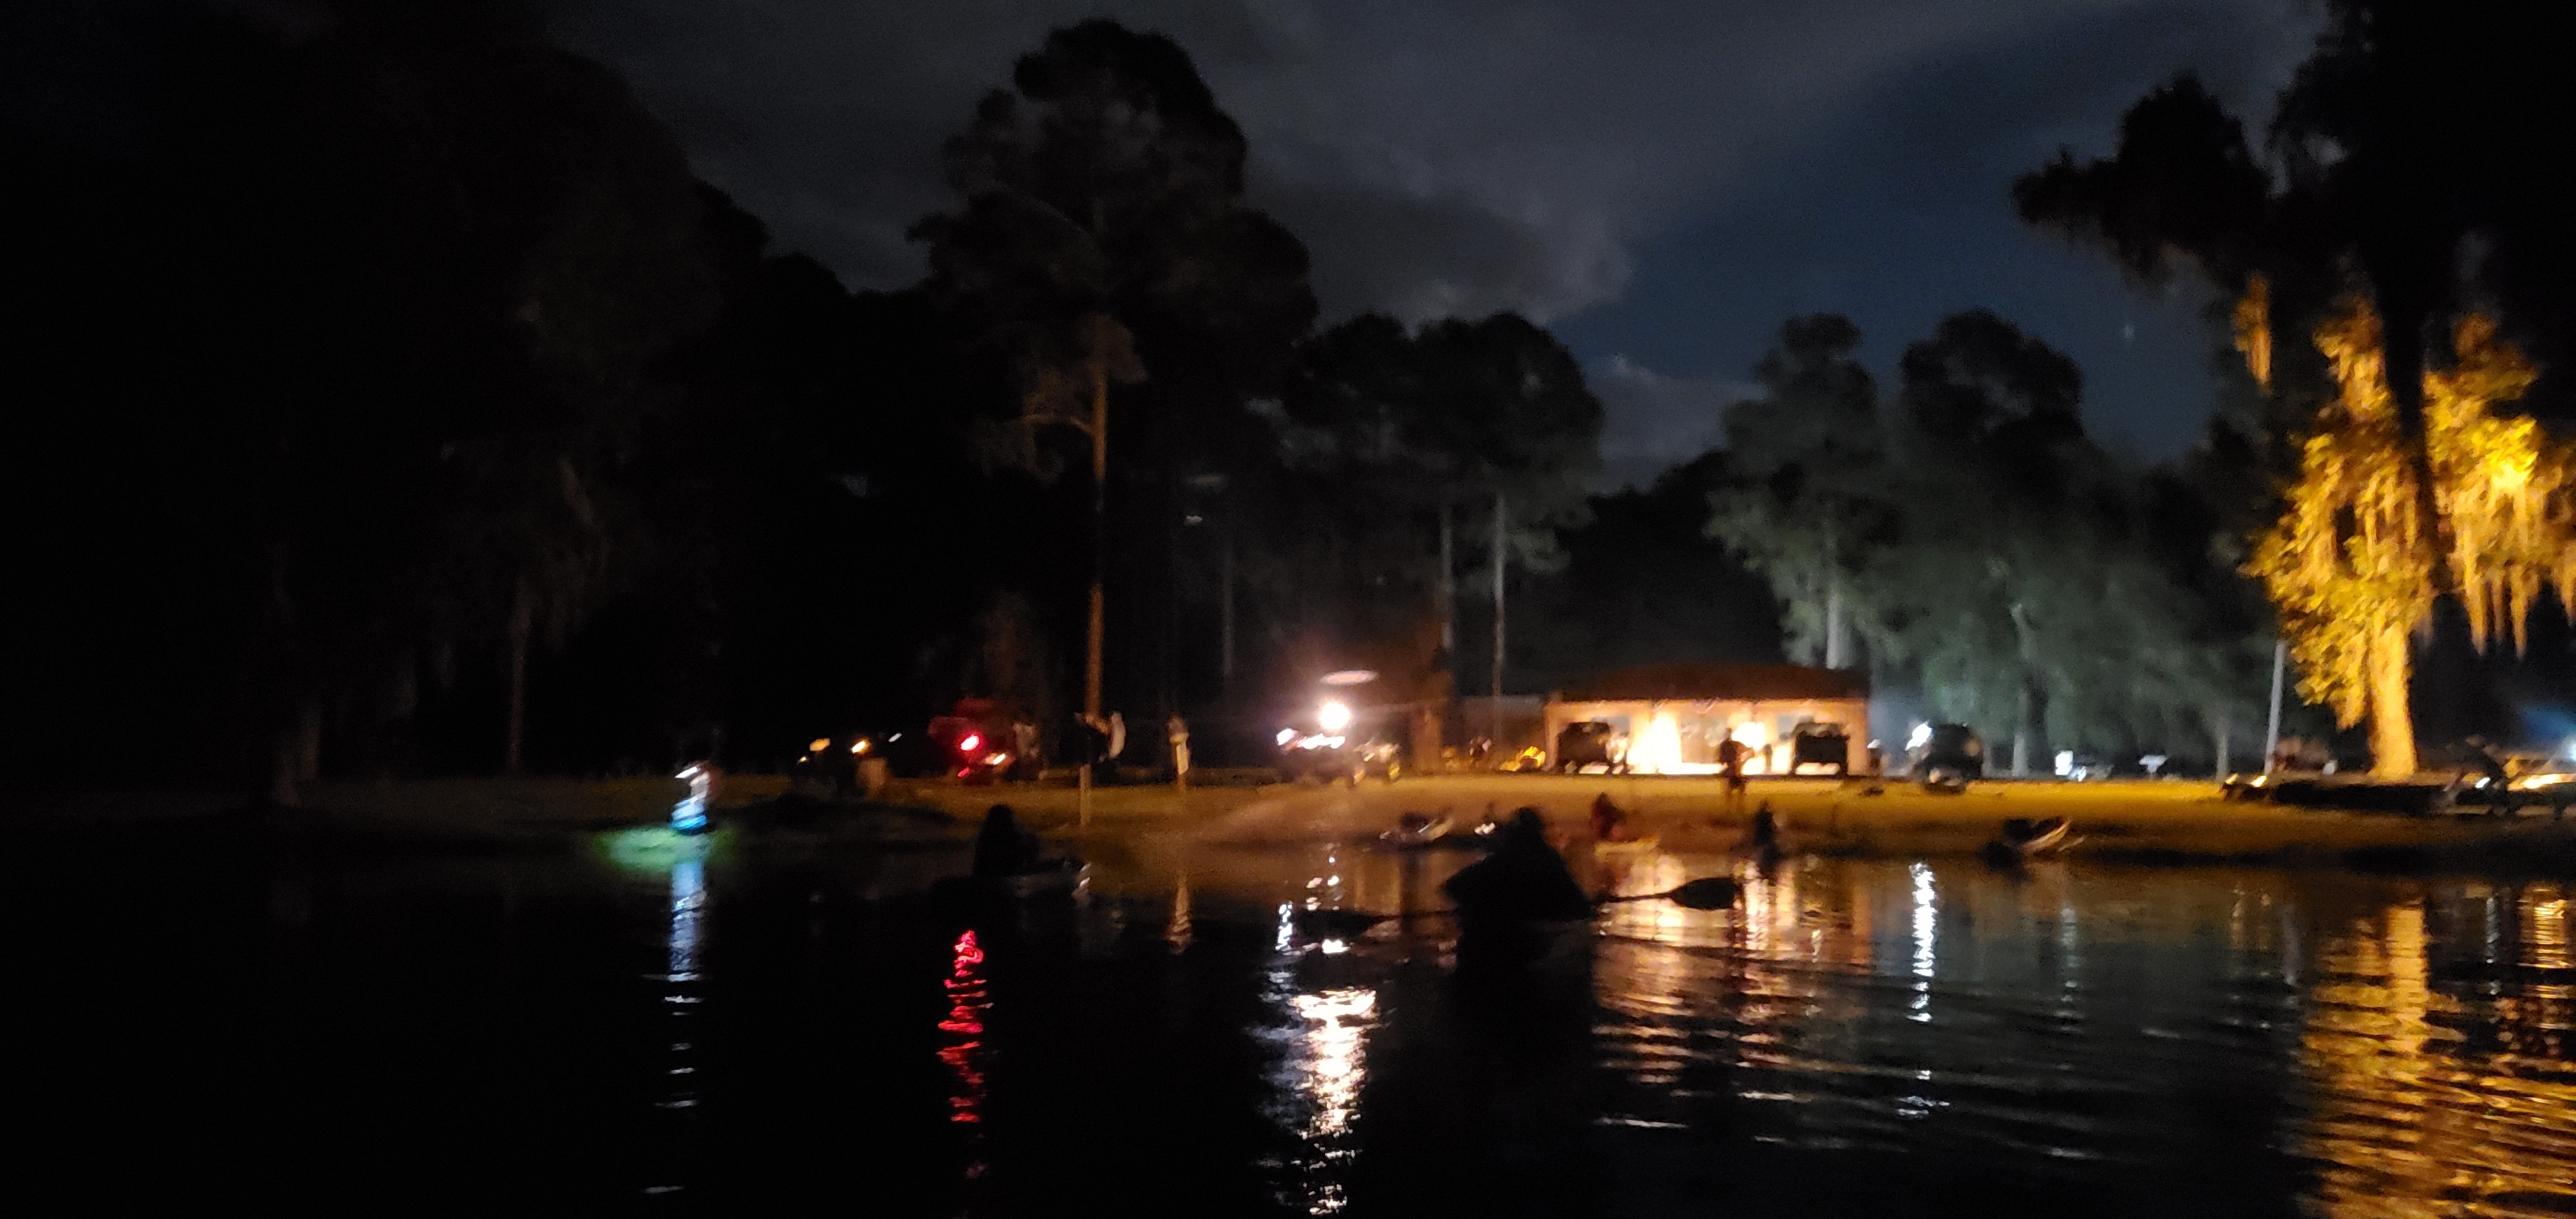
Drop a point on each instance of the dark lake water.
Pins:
(1881, 1036)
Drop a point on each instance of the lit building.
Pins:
(1673, 716)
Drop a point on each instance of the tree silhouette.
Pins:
(1810, 461)
(1405, 443)
(1102, 210)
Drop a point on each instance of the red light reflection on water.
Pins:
(964, 1052)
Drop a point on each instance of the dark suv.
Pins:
(1946, 755)
(1591, 743)
(1815, 744)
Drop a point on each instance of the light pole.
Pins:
(2272, 730)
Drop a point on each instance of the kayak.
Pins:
(1063, 878)
(1416, 831)
(1642, 845)
(2027, 837)
(1058, 881)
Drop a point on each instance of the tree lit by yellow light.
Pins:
(2350, 564)
(2254, 330)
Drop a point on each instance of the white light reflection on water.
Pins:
(679, 1002)
(1337, 1024)
(688, 906)
(1320, 1079)
(1926, 934)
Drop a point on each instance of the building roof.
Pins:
(1705, 683)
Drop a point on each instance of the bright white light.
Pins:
(1920, 737)
(2065, 762)
(1286, 735)
(1334, 715)
(1350, 677)
(1659, 751)
(1754, 735)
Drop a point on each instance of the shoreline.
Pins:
(2149, 822)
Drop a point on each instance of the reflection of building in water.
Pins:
(2428, 1100)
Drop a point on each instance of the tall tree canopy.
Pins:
(1399, 445)
(2352, 562)
(1102, 238)
(1810, 497)
(1979, 544)
(2399, 166)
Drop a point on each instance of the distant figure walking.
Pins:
(1177, 730)
(1608, 823)
(1730, 755)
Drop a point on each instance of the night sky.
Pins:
(1662, 184)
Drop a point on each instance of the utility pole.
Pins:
(1099, 561)
(1495, 712)
(1836, 654)
(1444, 587)
(2272, 730)
(1225, 611)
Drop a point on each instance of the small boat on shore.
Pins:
(1053, 881)
(1414, 831)
(2023, 838)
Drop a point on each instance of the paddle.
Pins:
(1706, 893)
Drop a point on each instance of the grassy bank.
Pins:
(2137, 821)
(2144, 821)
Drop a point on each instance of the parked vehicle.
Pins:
(1591, 743)
(1945, 756)
(1327, 758)
(1818, 744)
(968, 749)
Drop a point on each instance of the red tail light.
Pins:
(970, 743)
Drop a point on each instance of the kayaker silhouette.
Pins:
(1505, 900)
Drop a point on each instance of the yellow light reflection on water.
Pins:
(2432, 1102)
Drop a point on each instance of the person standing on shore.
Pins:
(1730, 755)
(1177, 730)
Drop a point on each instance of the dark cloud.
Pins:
(1561, 159)
(1649, 418)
